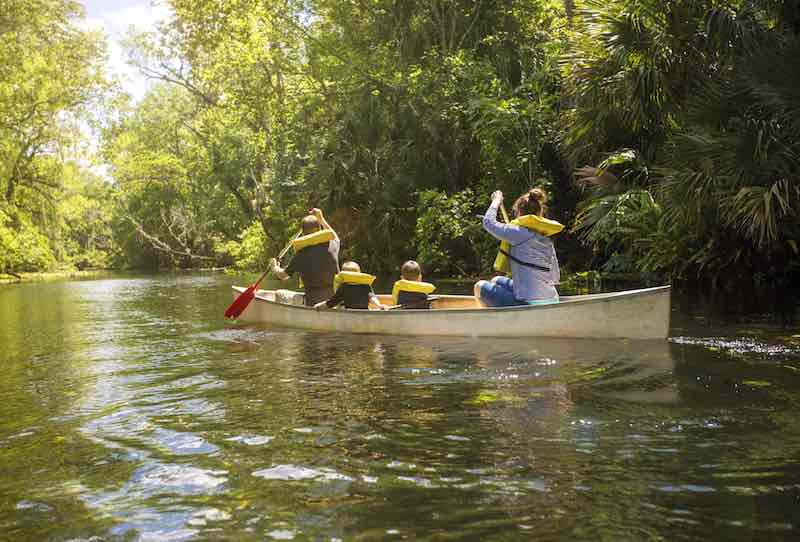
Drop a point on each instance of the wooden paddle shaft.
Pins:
(288, 246)
(505, 214)
(279, 258)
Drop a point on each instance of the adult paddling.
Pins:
(526, 253)
(316, 258)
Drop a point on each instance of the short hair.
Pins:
(351, 266)
(411, 270)
(309, 224)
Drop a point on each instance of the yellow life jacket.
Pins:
(541, 225)
(352, 277)
(404, 285)
(316, 238)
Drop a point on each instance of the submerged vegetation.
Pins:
(668, 133)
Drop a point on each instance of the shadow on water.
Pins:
(130, 410)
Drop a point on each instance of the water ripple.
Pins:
(294, 472)
(130, 409)
(741, 346)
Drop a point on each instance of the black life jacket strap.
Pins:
(526, 264)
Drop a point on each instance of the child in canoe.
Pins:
(353, 289)
(410, 292)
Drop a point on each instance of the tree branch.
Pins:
(471, 24)
(170, 76)
(161, 246)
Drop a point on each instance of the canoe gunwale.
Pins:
(633, 314)
(590, 299)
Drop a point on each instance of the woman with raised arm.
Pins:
(526, 253)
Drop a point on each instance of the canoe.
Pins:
(633, 314)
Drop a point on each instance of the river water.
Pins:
(131, 410)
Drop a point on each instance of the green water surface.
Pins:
(130, 410)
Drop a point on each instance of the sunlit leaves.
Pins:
(724, 164)
(448, 236)
(172, 207)
(631, 65)
(51, 75)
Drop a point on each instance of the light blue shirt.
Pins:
(530, 284)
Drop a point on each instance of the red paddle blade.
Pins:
(240, 303)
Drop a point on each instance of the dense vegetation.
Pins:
(668, 133)
(51, 75)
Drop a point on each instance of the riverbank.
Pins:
(46, 276)
(54, 275)
(572, 283)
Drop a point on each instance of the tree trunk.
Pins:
(10, 191)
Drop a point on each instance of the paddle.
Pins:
(243, 300)
(503, 211)
(505, 214)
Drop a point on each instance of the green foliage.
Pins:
(85, 238)
(250, 251)
(51, 70)
(712, 190)
(50, 77)
(353, 107)
(172, 205)
(630, 66)
(22, 246)
(398, 119)
(449, 236)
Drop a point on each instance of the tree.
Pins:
(712, 132)
(50, 73)
(170, 208)
(356, 107)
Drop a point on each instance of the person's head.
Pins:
(352, 267)
(309, 224)
(531, 202)
(411, 271)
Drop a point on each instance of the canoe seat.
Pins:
(287, 297)
(450, 302)
(290, 297)
(442, 301)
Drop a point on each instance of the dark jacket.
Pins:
(317, 265)
(352, 296)
(413, 300)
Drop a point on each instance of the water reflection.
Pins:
(129, 409)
